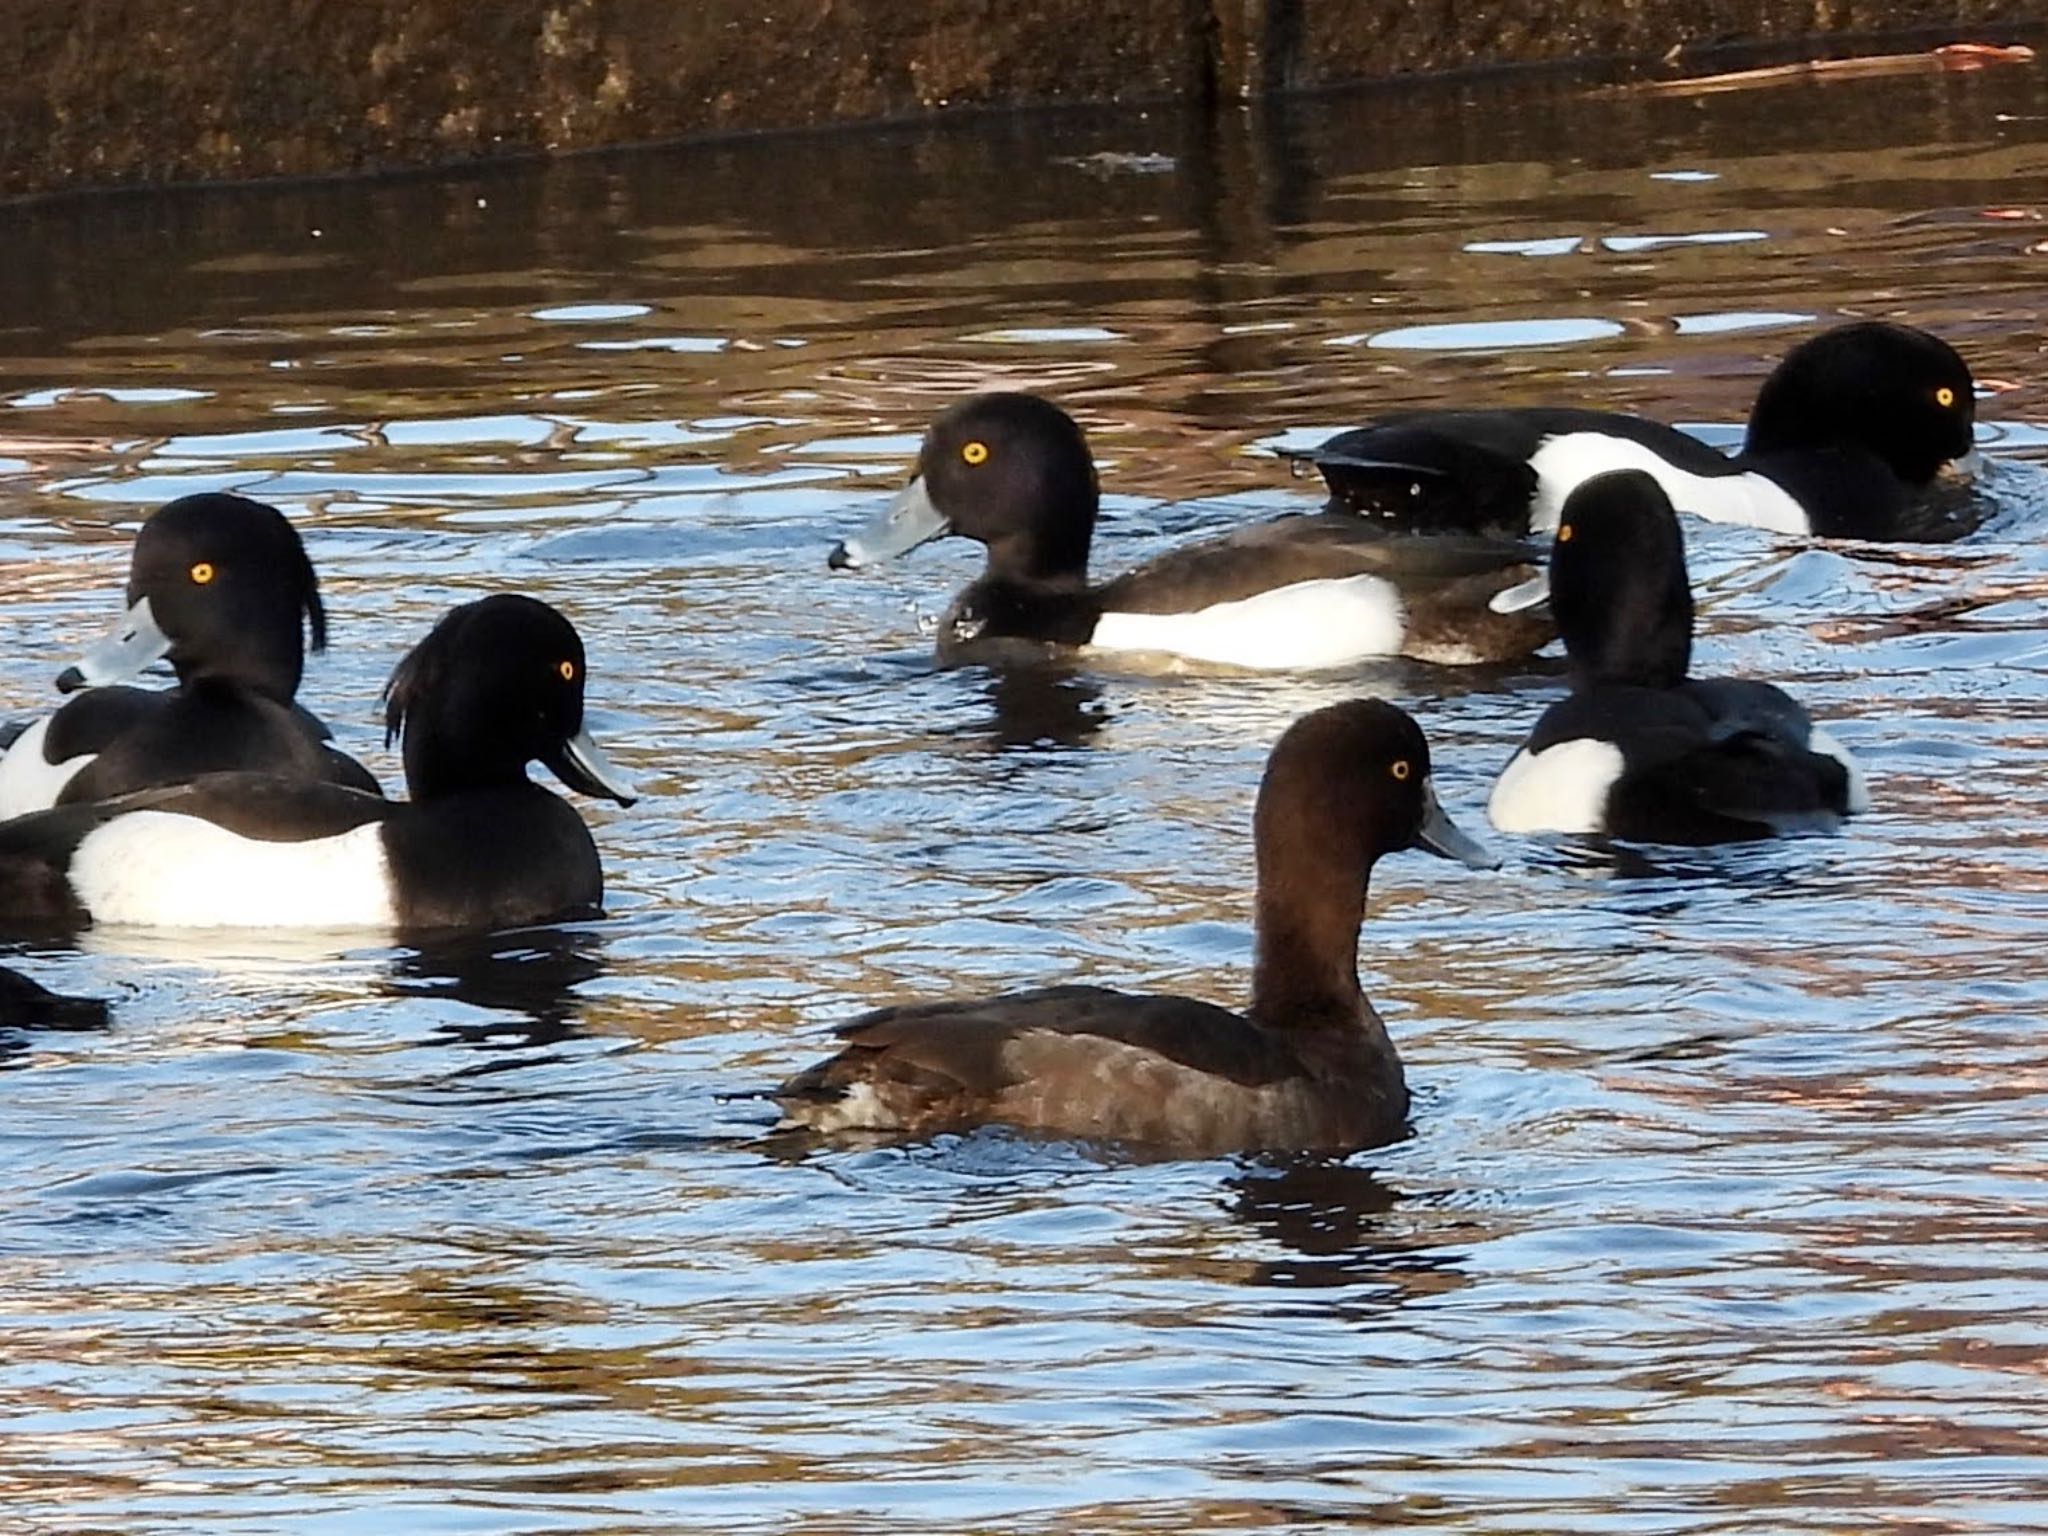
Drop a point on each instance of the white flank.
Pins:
(1567, 461)
(1560, 789)
(1325, 623)
(29, 782)
(167, 870)
(1859, 788)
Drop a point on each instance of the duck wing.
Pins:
(1474, 471)
(1320, 546)
(1077, 1060)
(1710, 762)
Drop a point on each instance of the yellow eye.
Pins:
(567, 669)
(1402, 768)
(202, 573)
(1564, 533)
(975, 453)
(1944, 397)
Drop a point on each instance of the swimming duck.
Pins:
(1307, 1065)
(1013, 472)
(496, 685)
(222, 587)
(1845, 440)
(1641, 750)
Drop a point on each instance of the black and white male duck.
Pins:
(1641, 750)
(1308, 1064)
(497, 684)
(222, 587)
(1013, 472)
(1846, 439)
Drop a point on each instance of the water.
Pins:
(1724, 1208)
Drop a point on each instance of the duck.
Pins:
(1845, 441)
(497, 684)
(1640, 749)
(1307, 1066)
(1013, 472)
(221, 586)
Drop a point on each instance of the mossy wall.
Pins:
(112, 92)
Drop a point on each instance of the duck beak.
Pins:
(1440, 835)
(581, 764)
(1523, 595)
(909, 520)
(133, 644)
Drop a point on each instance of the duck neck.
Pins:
(1305, 952)
(442, 761)
(1045, 559)
(269, 666)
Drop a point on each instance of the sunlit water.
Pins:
(1724, 1207)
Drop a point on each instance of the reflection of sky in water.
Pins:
(1484, 335)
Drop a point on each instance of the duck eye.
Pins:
(1944, 397)
(202, 573)
(1402, 768)
(975, 453)
(566, 670)
(1564, 533)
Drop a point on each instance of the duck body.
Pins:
(478, 845)
(1307, 1065)
(246, 850)
(1301, 592)
(1109, 1066)
(222, 588)
(111, 741)
(1846, 440)
(1640, 749)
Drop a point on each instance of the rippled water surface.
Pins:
(1724, 1208)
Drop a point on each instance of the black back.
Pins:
(1469, 471)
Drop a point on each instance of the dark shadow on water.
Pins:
(1761, 865)
(1332, 1218)
(527, 978)
(28, 1007)
(1039, 704)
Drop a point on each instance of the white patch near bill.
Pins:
(1567, 461)
(1563, 788)
(859, 1108)
(1327, 623)
(165, 870)
(28, 780)
(1859, 787)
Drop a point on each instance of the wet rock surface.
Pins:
(121, 92)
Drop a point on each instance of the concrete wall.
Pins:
(112, 92)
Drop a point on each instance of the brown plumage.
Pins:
(1308, 1065)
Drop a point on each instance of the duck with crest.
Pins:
(1850, 437)
(1641, 749)
(221, 587)
(498, 684)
